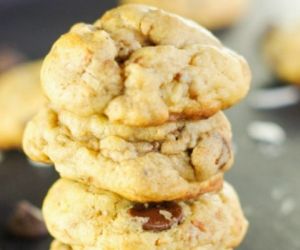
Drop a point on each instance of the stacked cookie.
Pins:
(134, 127)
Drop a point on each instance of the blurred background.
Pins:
(266, 126)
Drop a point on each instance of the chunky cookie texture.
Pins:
(176, 160)
(282, 52)
(135, 128)
(141, 66)
(213, 14)
(20, 98)
(87, 218)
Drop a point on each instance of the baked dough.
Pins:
(141, 66)
(177, 160)
(89, 219)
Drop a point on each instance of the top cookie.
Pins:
(141, 66)
(20, 98)
(213, 14)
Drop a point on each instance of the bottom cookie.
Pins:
(56, 245)
(88, 219)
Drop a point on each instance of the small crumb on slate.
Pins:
(274, 98)
(26, 221)
(287, 206)
(269, 136)
(249, 210)
(266, 132)
(278, 193)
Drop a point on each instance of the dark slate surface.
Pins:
(268, 183)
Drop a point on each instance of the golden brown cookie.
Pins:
(88, 218)
(141, 66)
(176, 160)
(282, 52)
(56, 245)
(213, 14)
(20, 98)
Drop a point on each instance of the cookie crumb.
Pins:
(166, 214)
(266, 132)
(278, 193)
(287, 206)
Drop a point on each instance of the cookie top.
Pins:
(141, 66)
(282, 51)
(213, 14)
(86, 218)
(176, 160)
(20, 98)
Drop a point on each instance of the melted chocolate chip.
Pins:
(161, 216)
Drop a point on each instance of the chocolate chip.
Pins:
(161, 216)
(26, 221)
(156, 146)
(225, 154)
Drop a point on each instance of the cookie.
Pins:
(87, 218)
(176, 160)
(20, 98)
(56, 245)
(141, 66)
(213, 14)
(282, 52)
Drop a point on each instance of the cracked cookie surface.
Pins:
(20, 98)
(213, 14)
(87, 218)
(141, 66)
(176, 160)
